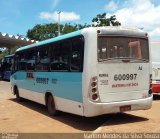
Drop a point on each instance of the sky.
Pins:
(17, 16)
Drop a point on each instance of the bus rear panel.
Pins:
(120, 75)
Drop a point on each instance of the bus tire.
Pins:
(16, 92)
(51, 105)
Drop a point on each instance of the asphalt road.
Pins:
(30, 117)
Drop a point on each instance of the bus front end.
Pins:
(119, 77)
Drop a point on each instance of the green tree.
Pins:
(101, 20)
(6, 51)
(68, 28)
(2, 54)
(42, 32)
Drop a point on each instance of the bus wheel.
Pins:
(51, 105)
(18, 98)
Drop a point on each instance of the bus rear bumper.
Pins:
(95, 109)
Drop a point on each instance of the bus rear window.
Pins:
(110, 48)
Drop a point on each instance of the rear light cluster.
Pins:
(150, 85)
(94, 89)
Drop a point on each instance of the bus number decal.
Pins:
(119, 77)
(42, 80)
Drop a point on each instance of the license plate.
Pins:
(125, 108)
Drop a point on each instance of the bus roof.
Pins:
(73, 34)
(110, 30)
(122, 31)
(9, 55)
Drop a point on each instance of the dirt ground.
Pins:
(30, 117)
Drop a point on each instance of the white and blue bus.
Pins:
(6, 66)
(90, 72)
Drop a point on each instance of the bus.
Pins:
(90, 72)
(6, 66)
(155, 52)
(1, 68)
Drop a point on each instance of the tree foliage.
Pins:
(42, 32)
(6, 51)
(102, 20)
(3, 53)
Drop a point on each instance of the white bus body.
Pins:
(115, 76)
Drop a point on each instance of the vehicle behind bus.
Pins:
(90, 72)
(155, 52)
(6, 66)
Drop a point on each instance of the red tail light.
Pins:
(94, 79)
(94, 89)
(94, 96)
(94, 84)
(150, 81)
(150, 85)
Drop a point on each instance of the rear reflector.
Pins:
(94, 96)
(93, 84)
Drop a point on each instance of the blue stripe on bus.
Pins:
(69, 35)
(67, 85)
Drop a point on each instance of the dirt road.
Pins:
(30, 117)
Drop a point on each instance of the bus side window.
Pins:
(60, 56)
(30, 60)
(20, 61)
(43, 60)
(76, 55)
(16, 63)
